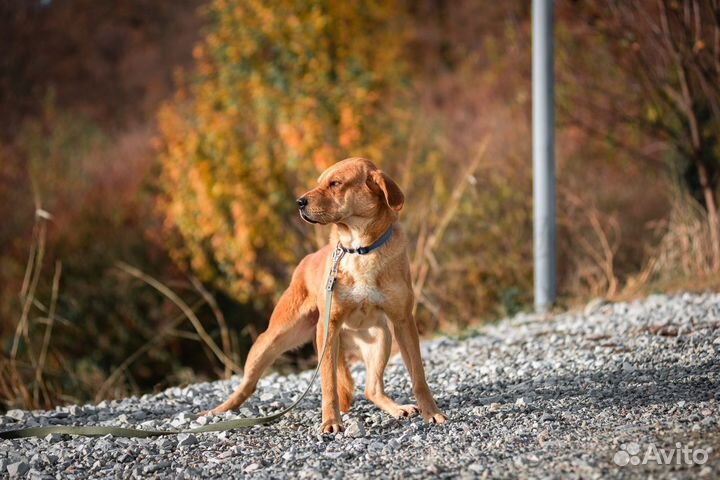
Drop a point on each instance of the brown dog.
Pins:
(363, 204)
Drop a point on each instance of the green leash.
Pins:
(215, 427)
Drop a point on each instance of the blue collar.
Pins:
(377, 244)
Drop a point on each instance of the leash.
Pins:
(90, 431)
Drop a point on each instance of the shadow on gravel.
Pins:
(618, 387)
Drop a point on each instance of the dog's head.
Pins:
(353, 187)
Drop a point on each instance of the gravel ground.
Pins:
(611, 391)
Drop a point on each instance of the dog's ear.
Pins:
(393, 195)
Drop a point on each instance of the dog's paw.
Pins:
(332, 426)
(212, 412)
(434, 417)
(219, 410)
(404, 411)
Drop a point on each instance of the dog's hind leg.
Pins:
(292, 324)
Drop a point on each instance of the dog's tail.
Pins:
(346, 386)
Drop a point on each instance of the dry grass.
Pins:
(23, 373)
(105, 390)
(686, 248)
(22, 362)
(224, 357)
(684, 258)
(431, 233)
(593, 239)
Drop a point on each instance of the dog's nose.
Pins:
(301, 202)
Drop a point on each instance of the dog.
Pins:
(373, 293)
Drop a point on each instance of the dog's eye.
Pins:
(335, 184)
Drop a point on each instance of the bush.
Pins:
(282, 90)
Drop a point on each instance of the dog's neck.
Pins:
(363, 232)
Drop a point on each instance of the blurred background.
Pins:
(150, 153)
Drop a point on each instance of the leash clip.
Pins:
(337, 255)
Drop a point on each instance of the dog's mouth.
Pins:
(305, 217)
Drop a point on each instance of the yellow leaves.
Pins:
(283, 90)
(290, 136)
(213, 41)
(323, 157)
(234, 53)
(652, 114)
(349, 132)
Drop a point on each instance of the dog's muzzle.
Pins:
(302, 203)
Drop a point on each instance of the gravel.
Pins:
(610, 391)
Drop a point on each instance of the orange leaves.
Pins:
(349, 132)
(290, 136)
(323, 157)
(282, 90)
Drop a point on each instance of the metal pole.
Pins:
(543, 99)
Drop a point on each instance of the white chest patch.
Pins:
(362, 293)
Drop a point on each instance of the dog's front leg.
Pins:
(331, 422)
(408, 340)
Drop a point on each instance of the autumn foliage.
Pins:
(283, 89)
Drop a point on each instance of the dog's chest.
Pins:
(362, 305)
(358, 285)
(361, 294)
